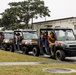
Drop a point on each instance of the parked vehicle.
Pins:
(8, 36)
(25, 40)
(64, 45)
(1, 38)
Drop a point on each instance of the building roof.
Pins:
(55, 20)
(55, 28)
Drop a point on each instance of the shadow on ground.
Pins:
(67, 59)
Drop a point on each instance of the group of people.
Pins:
(48, 40)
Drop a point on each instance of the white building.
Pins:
(69, 22)
(33, 0)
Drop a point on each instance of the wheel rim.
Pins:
(58, 55)
(25, 51)
(10, 48)
(34, 51)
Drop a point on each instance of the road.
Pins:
(70, 59)
(67, 59)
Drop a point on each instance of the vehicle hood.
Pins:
(33, 41)
(69, 43)
(26, 41)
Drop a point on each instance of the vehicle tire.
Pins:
(36, 51)
(25, 50)
(60, 55)
(5, 47)
(11, 48)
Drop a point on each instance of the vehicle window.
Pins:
(63, 35)
(8, 35)
(30, 35)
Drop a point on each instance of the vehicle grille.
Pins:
(72, 46)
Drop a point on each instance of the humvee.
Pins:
(65, 43)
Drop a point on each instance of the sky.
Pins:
(59, 8)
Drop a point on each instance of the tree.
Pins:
(8, 18)
(23, 12)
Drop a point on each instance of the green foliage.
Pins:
(23, 12)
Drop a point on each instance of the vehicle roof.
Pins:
(55, 28)
(24, 30)
(8, 31)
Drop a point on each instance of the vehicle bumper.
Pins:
(6, 45)
(31, 46)
(70, 52)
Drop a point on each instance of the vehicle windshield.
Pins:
(8, 35)
(30, 35)
(65, 35)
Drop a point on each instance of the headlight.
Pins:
(26, 42)
(6, 41)
(34, 42)
(63, 45)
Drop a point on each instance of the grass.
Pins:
(34, 69)
(6, 56)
